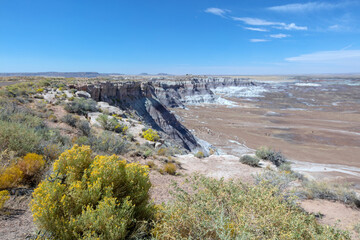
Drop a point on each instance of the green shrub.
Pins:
(330, 191)
(144, 150)
(111, 124)
(199, 154)
(52, 151)
(273, 156)
(70, 119)
(84, 127)
(218, 209)
(281, 180)
(81, 106)
(110, 143)
(249, 160)
(151, 135)
(19, 138)
(93, 198)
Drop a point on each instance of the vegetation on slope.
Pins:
(90, 197)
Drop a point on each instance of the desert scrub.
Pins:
(199, 154)
(4, 196)
(330, 191)
(357, 228)
(250, 160)
(111, 124)
(70, 119)
(218, 209)
(151, 135)
(162, 152)
(31, 165)
(52, 151)
(81, 106)
(271, 155)
(18, 137)
(278, 179)
(93, 198)
(169, 168)
(10, 176)
(151, 164)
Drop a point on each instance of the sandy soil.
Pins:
(334, 213)
(16, 220)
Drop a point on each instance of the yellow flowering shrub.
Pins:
(88, 197)
(10, 176)
(4, 196)
(25, 171)
(31, 164)
(151, 135)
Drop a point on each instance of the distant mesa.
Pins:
(58, 74)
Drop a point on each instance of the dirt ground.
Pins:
(334, 214)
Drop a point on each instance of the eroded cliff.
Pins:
(151, 101)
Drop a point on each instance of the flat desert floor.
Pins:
(314, 122)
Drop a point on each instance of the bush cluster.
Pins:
(330, 191)
(269, 154)
(93, 198)
(25, 171)
(144, 150)
(218, 209)
(74, 121)
(22, 131)
(112, 124)
(249, 160)
(151, 135)
(81, 106)
(106, 143)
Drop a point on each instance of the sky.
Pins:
(180, 36)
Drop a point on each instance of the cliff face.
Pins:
(151, 99)
(193, 91)
(141, 98)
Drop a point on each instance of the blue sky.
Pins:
(180, 36)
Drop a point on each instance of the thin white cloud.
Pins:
(258, 40)
(327, 56)
(217, 11)
(307, 7)
(291, 26)
(255, 21)
(280, 35)
(262, 22)
(256, 29)
(334, 27)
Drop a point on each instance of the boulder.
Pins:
(107, 108)
(83, 94)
